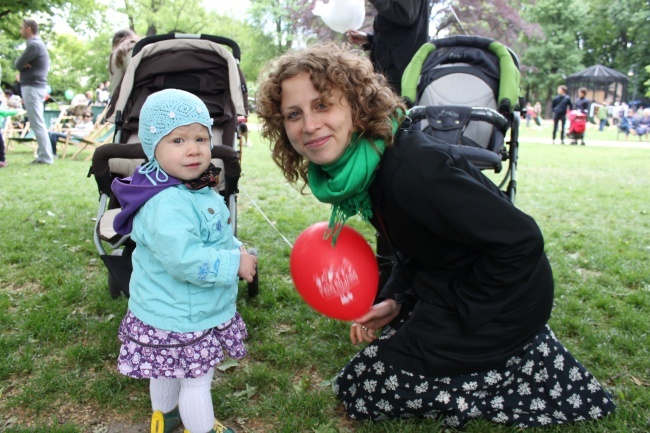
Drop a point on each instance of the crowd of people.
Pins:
(626, 119)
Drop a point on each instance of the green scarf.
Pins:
(344, 183)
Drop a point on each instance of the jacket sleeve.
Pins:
(399, 285)
(400, 12)
(453, 200)
(173, 232)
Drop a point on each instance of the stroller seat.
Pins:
(199, 64)
(466, 92)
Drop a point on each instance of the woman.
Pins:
(123, 42)
(464, 312)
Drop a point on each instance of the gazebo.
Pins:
(602, 83)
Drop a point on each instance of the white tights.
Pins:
(192, 396)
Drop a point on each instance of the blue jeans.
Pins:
(34, 100)
(54, 138)
(603, 122)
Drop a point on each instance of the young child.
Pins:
(182, 314)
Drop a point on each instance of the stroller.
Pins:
(199, 64)
(464, 90)
(577, 126)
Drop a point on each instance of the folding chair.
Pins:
(23, 135)
(100, 135)
(53, 119)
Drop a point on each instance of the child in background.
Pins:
(182, 307)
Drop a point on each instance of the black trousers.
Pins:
(557, 118)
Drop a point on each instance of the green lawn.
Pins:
(58, 323)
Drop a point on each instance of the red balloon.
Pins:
(338, 281)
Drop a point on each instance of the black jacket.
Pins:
(471, 261)
(400, 29)
(560, 104)
(583, 105)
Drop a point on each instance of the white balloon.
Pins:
(341, 15)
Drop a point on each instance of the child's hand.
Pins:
(247, 265)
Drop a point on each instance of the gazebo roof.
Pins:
(599, 73)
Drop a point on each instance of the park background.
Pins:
(58, 323)
(552, 38)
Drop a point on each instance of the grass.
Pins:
(58, 341)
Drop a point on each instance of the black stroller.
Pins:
(464, 90)
(467, 90)
(200, 64)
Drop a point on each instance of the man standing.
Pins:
(400, 28)
(560, 105)
(33, 65)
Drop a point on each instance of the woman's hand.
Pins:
(381, 314)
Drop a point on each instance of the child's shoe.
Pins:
(165, 422)
(219, 428)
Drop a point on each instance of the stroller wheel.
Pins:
(254, 286)
(113, 287)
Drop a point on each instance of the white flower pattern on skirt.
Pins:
(541, 386)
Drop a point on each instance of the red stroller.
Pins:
(577, 126)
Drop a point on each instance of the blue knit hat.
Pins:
(163, 112)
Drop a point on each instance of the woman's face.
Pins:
(318, 130)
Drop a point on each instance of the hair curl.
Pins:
(330, 66)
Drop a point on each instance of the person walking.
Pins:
(33, 65)
(560, 105)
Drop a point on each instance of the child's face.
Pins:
(319, 131)
(185, 152)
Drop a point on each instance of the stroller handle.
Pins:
(484, 114)
(236, 52)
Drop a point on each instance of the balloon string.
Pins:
(266, 218)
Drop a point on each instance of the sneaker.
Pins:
(165, 422)
(36, 162)
(3, 164)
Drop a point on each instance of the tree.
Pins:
(500, 20)
(622, 41)
(152, 17)
(549, 59)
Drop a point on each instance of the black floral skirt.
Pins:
(542, 385)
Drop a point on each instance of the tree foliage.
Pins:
(500, 20)
(553, 38)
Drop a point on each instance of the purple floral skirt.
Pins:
(149, 352)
